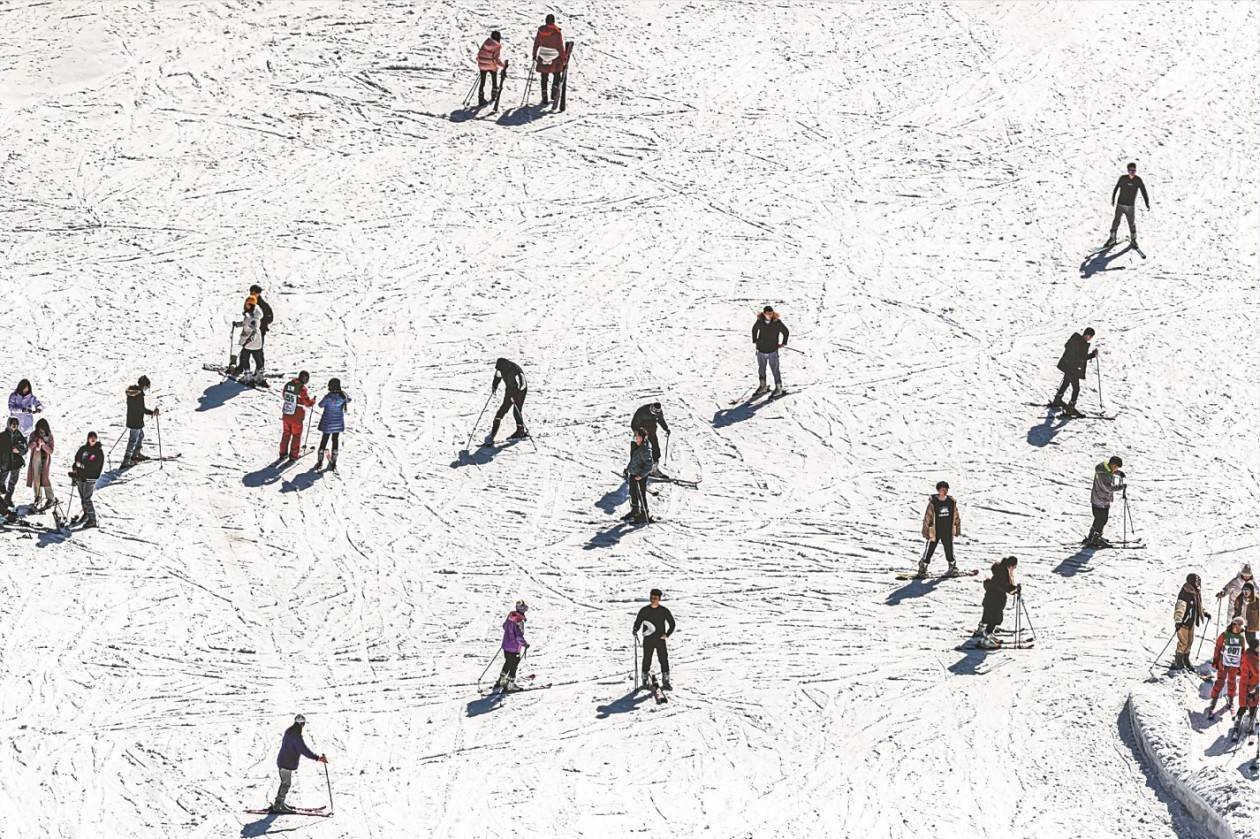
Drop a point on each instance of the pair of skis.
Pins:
(295, 811)
(240, 378)
(1066, 414)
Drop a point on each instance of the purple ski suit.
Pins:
(514, 633)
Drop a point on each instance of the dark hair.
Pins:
(43, 425)
(767, 309)
(1089, 332)
(639, 432)
(143, 381)
(1010, 561)
(942, 484)
(304, 377)
(24, 384)
(496, 36)
(334, 385)
(92, 434)
(13, 421)
(255, 289)
(551, 18)
(1115, 461)
(1131, 165)
(656, 592)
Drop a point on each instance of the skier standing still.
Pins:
(1127, 188)
(942, 521)
(637, 472)
(88, 461)
(1227, 659)
(514, 644)
(549, 56)
(12, 459)
(1248, 688)
(332, 422)
(515, 389)
(648, 417)
(1100, 499)
(293, 414)
(251, 342)
(136, 412)
(1187, 615)
(766, 333)
(489, 64)
(660, 625)
(1231, 590)
(1076, 355)
(292, 749)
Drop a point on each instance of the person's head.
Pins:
(255, 290)
(655, 408)
(655, 596)
(13, 424)
(1246, 571)
(24, 387)
(42, 427)
(250, 303)
(495, 36)
(551, 19)
(304, 377)
(143, 382)
(942, 488)
(334, 385)
(639, 435)
(1248, 591)
(1009, 563)
(521, 606)
(1132, 167)
(1088, 333)
(1114, 462)
(91, 438)
(1193, 581)
(768, 313)
(1236, 623)
(299, 721)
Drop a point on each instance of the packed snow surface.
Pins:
(916, 187)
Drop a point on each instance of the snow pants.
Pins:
(514, 399)
(1127, 213)
(1226, 677)
(771, 358)
(555, 86)
(86, 488)
(655, 643)
(286, 781)
(1100, 520)
(494, 84)
(9, 480)
(1185, 639)
(291, 440)
(510, 662)
(1075, 383)
(639, 496)
(946, 540)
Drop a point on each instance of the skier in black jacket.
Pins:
(1076, 355)
(267, 317)
(136, 412)
(12, 459)
(766, 333)
(1127, 188)
(514, 392)
(662, 625)
(648, 417)
(87, 468)
(637, 472)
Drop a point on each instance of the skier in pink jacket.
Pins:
(489, 64)
(514, 645)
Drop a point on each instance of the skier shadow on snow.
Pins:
(484, 704)
(262, 827)
(1074, 564)
(1097, 262)
(217, 396)
(631, 701)
(729, 416)
(970, 663)
(1043, 433)
(302, 480)
(523, 115)
(614, 498)
(52, 537)
(269, 474)
(914, 588)
(609, 537)
(465, 114)
(481, 455)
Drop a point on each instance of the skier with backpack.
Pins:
(515, 389)
(292, 415)
(549, 56)
(489, 64)
(996, 588)
(88, 461)
(766, 334)
(332, 422)
(136, 412)
(514, 645)
(648, 417)
(1187, 615)
(659, 623)
(1076, 355)
(942, 521)
(264, 322)
(637, 472)
(1227, 659)
(292, 749)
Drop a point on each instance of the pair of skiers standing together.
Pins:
(550, 60)
(295, 401)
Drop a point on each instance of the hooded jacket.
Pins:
(929, 518)
(514, 633)
(9, 459)
(1234, 587)
(996, 588)
(24, 407)
(765, 333)
(1076, 354)
(88, 461)
(1189, 609)
(136, 410)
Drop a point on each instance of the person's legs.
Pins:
(286, 781)
(481, 86)
(947, 542)
(135, 436)
(518, 403)
(332, 456)
(931, 549)
(1076, 391)
(648, 646)
(544, 76)
(1129, 214)
(762, 358)
(656, 445)
(1100, 521)
(662, 655)
(86, 488)
(8, 480)
(500, 414)
(1063, 386)
(774, 370)
(1115, 222)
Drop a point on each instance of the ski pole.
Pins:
(328, 781)
(665, 457)
(307, 438)
(1015, 639)
(483, 672)
(1032, 632)
(1215, 634)
(116, 442)
(161, 461)
(1161, 653)
(634, 659)
(478, 422)
(1098, 373)
(472, 90)
(529, 84)
(793, 349)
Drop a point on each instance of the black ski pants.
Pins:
(656, 444)
(323, 441)
(494, 84)
(946, 540)
(1125, 212)
(1100, 520)
(555, 86)
(514, 399)
(1075, 383)
(655, 643)
(510, 662)
(638, 496)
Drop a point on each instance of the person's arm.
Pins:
(663, 424)
(669, 618)
(638, 623)
(306, 399)
(784, 329)
(927, 520)
(1116, 190)
(756, 330)
(1216, 653)
(957, 519)
(1145, 197)
(1179, 612)
(302, 747)
(494, 386)
(537, 42)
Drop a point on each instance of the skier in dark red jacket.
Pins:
(549, 56)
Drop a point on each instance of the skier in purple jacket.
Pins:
(292, 749)
(514, 646)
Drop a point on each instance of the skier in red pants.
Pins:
(293, 413)
(1227, 659)
(1248, 688)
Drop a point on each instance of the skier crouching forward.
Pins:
(514, 644)
(996, 588)
(292, 749)
(660, 625)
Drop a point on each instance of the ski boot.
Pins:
(519, 434)
(488, 442)
(1071, 411)
(988, 642)
(979, 631)
(319, 461)
(332, 461)
(481, 101)
(645, 681)
(1229, 704)
(921, 574)
(761, 389)
(89, 524)
(665, 685)
(1133, 244)
(952, 571)
(280, 808)
(1210, 708)
(1058, 404)
(1176, 662)
(1111, 241)
(630, 516)
(777, 392)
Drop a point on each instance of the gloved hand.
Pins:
(323, 758)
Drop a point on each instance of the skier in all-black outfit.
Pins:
(942, 521)
(87, 468)
(637, 472)
(996, 588)
(648, 417)
(1076, 354)
(658, 618)
(514, 391)
(1127, 188)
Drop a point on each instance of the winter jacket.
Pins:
(333, 418)
(10, 459)
(511, 375)
(996, 588)
(44, 446)
(1104, 486)
(645, 419)
(1229, 650)
(88, 461)
(296, 400)
(1249, 678)
(641, 462)
(1076, 354)
(267, 315)
(1128, 189)
(659, 618)
(1249, 611)
(488, 55)
(1234, 587)
(1189, 609)
(514, 633)
(292, 748)
(929, 517)
(765, 333)
(136, 410)
(251, 330)
(549, 37)
(24, 407)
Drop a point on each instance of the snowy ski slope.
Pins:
(914, 186)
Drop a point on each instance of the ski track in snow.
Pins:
(914, 187)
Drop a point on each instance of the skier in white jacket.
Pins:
(251, 343)
(1234, 587)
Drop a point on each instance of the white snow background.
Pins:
(915, 186)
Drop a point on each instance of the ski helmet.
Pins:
(1246, 570)
(655, 407)
(522, 606)
(299, 720)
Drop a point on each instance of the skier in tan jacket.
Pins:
(942, 521)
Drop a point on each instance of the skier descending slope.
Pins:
(489, 64)
(515, 390)
(292, 749)
(293, 414)
(1227, 659)
(136, 412)
(1248, 686)
(1127, 188)
(549, 56)
(514, 644)
(637, 472)
(996, 588)
(648, 417)
(88, 461)
(1076, 355)
(942, 521)
(1100, 499)
(659, 625)
(12, 459)
(766, 333)
(332, 422)
(1187, 614)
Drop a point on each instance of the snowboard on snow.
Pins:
(914, 575)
